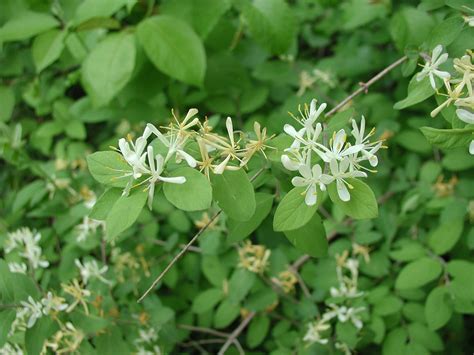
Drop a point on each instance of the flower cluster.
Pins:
(147, 337)
(457, 85)
(254, 257)
(286, 280)
(26, 243)
(347, 270)
(190, 141)
(90, 269)
(320, 163)
(31, 310)
(66, 340)
(88, 227)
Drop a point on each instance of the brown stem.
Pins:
(233, 336)
(365, 86)
(179, 255)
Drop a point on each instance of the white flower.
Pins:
(430, 68)
(469, 20)
(368, 149)
(90, 269)
(156, 164)
(134, 154)
(230, 150)
(33, 310)
(465, 115)
(311, 178)
(9, 349)
(147, 336)
(344, 314)
(53, 303)
(471, 147)
(26, 243)
(340, 172)
(87, 227)
(175, 144)
(19, 268)
(338, 148)
(313, 334)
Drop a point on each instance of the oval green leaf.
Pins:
(194, 195)
(174, 48)
(292, 212)
(235, 194)
(311, 238)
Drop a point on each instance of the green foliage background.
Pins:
(77, 75)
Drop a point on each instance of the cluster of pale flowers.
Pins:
(253, 257)
(217, 153)
(347, 271)
(26, 243)
(32, 310)
(90, 269)
(147, 338)
(458, 84)
(321, 163)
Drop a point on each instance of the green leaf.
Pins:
(449, 138)
(194, 195)
(7, 103)
(111, 343)
(292, 211)
(124, 213)
(108, 67)
(89, 323)
(311, 238)
(446, 32)
(418, 91)
(388, 305)
(174, 48)
(395, 342)
(258, 329)
(89, 9)
(362, 204)
(26, 25)
(235, 194)
(418, 273)
(203, 15)
(47, 48)
(414, 141)
(37, 335)
(360, 12)
(272, 23)
(7, 317)
(109, 168)
(438, 309)
(225, 314)
(239, 230)
(419, 333)
(410, 27)
(240, 284)
(446, 235)
(6, 283)
(104, 204)
(206, 300)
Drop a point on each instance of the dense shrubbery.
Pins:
(148, 155)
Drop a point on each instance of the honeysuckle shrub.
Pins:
(204, 158)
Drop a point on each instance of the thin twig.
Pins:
(365, 86)
(164, 243)
(179, 255)
(203, 330)
(233, 336)
(187, 246)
